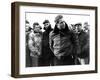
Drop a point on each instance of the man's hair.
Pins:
(27, 22)
(56, 30)
(36, 23)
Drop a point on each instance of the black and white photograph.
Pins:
(57, 39)
(53, 39)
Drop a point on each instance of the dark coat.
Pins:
(28, 58)
(84, 44)
(66, 45)
(46, 52)
(47, 55)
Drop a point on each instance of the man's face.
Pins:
(86, 27)
(46, 25)
(78, 28)
(27, 27)
(61, 24)
(37, 28)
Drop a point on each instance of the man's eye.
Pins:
(61, 22)
(45, 24)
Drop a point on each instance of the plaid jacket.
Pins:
(34, 43)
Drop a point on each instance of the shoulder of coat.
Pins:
(32, 34)
(51, 33)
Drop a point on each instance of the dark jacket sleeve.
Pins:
(75, 42)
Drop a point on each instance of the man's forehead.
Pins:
(60, 20)
(37, 26)
(27, 24)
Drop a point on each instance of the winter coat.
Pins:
(63, 42)
(34, 43)
(46, 51)
(84, 44)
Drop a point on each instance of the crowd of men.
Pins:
(58, 46)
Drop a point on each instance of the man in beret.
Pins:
(47, 54)
(34, 42)
(63, 43)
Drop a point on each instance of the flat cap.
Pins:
(36, 23)
(86, 23)
(46, 21)
(78, 24)
(57, 18)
